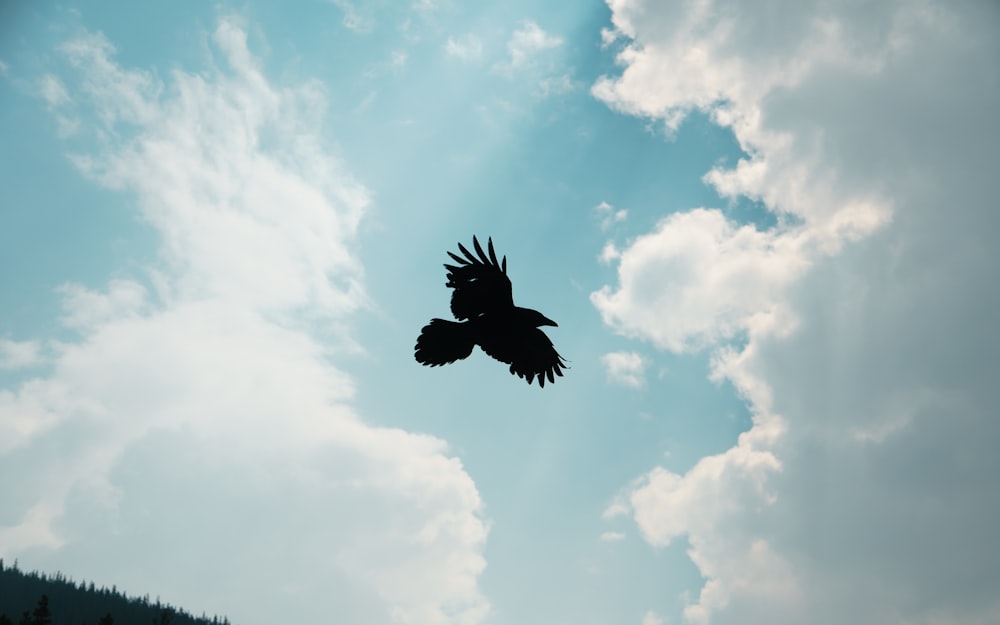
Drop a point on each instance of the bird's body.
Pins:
(482, 300)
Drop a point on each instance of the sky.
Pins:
(766, 230)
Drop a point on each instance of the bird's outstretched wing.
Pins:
(480, 283)
(530, 354)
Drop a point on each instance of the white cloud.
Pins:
(700, 278)
(555, 85)
(525, 45)
(426, 6)
(609, 253)
(865, 344)
(609, 216)
(466, 48)
(354, 18)
(529, 40)
(652, 618)
(625, 368)
(365, 16)
(88, 310)
(366, 102)
(53, 91)
(19, 354)
(608, 37)
(198, 418)
(615, 509)
(612, 537)
(117, 95)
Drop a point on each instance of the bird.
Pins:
(483, 302)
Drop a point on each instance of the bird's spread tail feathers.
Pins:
(442, 342)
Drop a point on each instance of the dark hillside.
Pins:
(40, 599)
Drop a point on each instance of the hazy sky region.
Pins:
(767, 231)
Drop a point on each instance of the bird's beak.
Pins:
(549, 322)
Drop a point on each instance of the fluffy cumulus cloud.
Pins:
(195, 439)
(700, 278)
(858, 328)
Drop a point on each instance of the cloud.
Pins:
(198, 419)
(399, 58)
(467, 48)
(625, 368)
(609, 216)
(700, 278)
(528, 41)
(53, 91)
(525, 45)
(612, 537)
(354, 18)
(117, 95)
(856, 328)
(19, 354)
(608, 37)
(365, 16)
(652, 618)
(88, 310)
(609, 253)
(426, 6)
(555, 85)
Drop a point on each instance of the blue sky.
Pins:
(766, 234)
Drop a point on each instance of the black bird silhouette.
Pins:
(483, 301)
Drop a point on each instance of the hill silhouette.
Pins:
(40, 599)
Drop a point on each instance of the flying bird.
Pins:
(483, 302)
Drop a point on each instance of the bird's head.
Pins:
(536, 318)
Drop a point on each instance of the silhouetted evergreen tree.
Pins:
(41, 614)
(166, 616)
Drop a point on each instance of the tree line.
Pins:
(34, 598)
